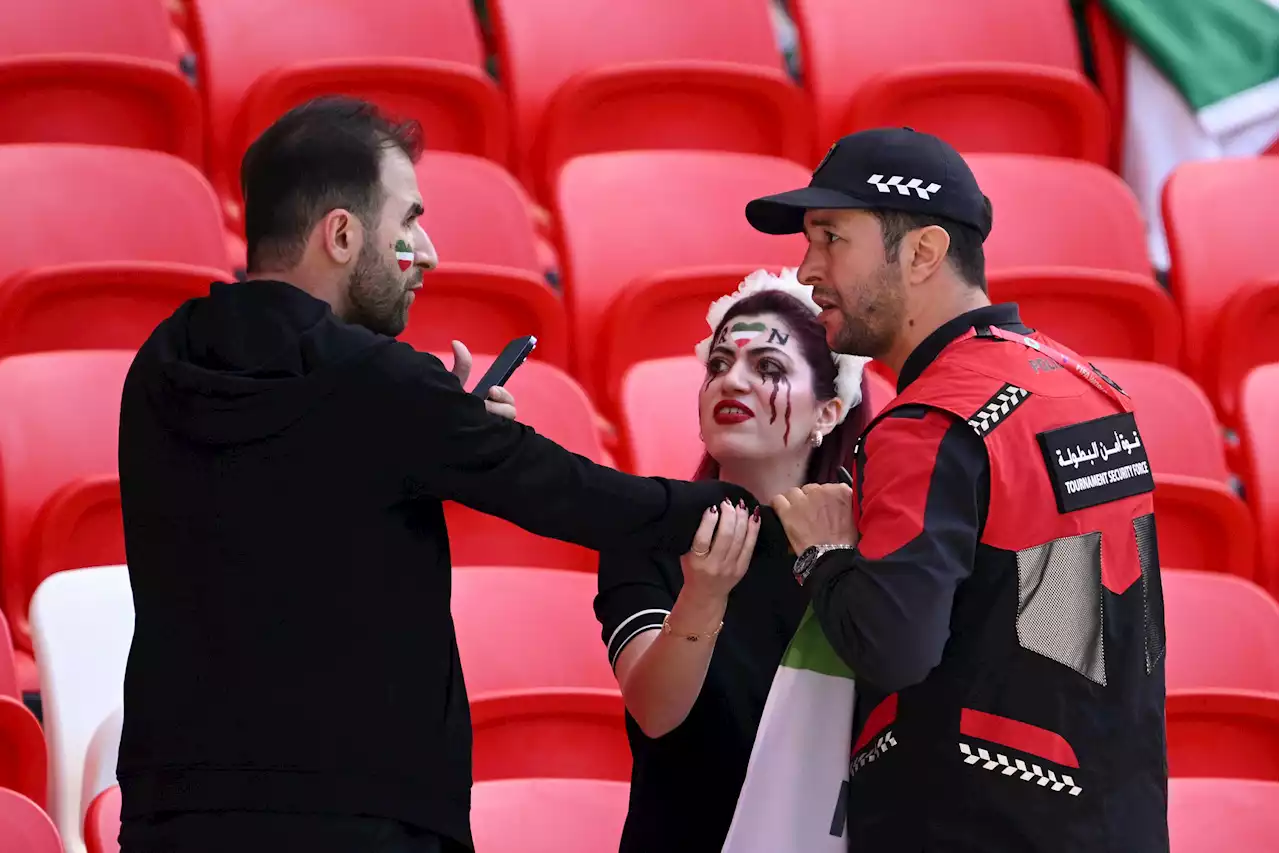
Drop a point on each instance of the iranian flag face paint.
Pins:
(404, 254)
(743, 333)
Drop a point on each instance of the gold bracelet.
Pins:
(693, 638)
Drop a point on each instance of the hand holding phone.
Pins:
(512, 356)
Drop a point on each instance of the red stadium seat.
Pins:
(95, 72)
(24, 826)
(489, 287)
(986, 75)
(24, 759)
(1229, 734)
(153, 239)
(1223, 674)
(1222, 223)
(1259, 427)
(423, 60)
(681, 210)
(592, 75)
(553, 404)
(659, 414)
(8, 664)
(1219, 815)
(1201, 523)
(59, 508)
(548, 815)
(1222, 633)
(102, 822)
(544, 707)
(1077, 266)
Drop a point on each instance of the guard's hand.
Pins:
(721, 552)
(817, 515)
(461, 362)
(501, 403)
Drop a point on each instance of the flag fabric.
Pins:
(1201, 83)
(794, 796)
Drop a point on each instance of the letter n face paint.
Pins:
(404, 255)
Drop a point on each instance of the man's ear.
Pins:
(929, 248)
(343, 234)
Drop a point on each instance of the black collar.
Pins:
(1004, 314)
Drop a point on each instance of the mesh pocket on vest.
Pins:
(1060, 603)
(1144, 531)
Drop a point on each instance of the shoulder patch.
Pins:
(995, 410)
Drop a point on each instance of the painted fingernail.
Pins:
(742, 504)
(715, 509)
(755, 514)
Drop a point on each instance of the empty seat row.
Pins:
(1077, 266)
(1003, 75)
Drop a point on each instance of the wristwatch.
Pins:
(806, 561)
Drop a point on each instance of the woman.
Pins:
(694, 642)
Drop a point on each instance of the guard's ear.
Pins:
(926, 252)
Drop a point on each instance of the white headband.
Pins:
(848, 367)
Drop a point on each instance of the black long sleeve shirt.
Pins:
(282, 475)
(923, 489)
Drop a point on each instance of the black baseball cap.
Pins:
(892, 168)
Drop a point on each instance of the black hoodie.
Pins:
(282, 474)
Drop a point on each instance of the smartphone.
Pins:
(511, 357)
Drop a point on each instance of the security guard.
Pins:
(992, 578)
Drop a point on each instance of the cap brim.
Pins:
(784, 213)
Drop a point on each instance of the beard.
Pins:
(377, 297)
(869, 326)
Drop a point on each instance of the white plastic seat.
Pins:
(82, 627)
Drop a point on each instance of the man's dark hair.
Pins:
(965, 252)
(323, 155)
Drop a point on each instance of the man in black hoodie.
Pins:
(294, 681)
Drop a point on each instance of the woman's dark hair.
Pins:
(322, 155)
(837, 446)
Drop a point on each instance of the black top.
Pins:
(282, 474)
(890, 625)
(685, 784)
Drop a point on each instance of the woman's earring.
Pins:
(815, 438)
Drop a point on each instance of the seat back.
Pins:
(24, 825)
(476, 212)
(1222, 221)
(1222, 633)
(1227, 734)
(1259, 428)
(555, 405)
(243, 40)
(532, 815)
(82, 623)
(135, 206)
(55, 447)
(1093, 221)
(102, 822)
(542, 45)
(137, 28)
(1213, 815)
(688, 203)
(498, 609)
(1024, 32)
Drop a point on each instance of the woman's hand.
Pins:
(721, 552)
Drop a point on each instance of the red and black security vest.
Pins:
(1042, 728)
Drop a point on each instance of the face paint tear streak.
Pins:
(786, 434)
(773, 400)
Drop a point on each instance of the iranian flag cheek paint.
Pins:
(404, 254)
